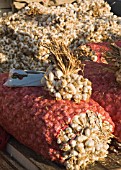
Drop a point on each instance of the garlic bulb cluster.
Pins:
(85, 140)
(62, 86)
(77, 23)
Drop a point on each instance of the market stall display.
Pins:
(69, 118)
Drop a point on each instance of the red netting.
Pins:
(101, 48)
(106, 91)
(35, 119)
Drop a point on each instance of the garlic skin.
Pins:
(87, 145)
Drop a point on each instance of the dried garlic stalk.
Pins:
(61, 77)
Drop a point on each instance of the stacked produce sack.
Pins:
(106, 80)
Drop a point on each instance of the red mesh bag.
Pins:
(106, 91)
(63, 131)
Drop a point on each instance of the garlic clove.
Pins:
(73, 143)
(58, 96)
(89, 143)
(58, 74)
(51, 76)
(87, 132)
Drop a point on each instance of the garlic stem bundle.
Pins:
(61, 77)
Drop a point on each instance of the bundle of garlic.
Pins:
(61, 77)
(84, 140)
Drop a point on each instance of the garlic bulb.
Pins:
(63, 87)
(87, 146)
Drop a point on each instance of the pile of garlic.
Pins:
(77, 23)
(84, 140)
(66, 86)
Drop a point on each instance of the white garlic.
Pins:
(58, 96)
(65, 138)
(94, 57)
(105, 146)
(78, 97)
(85, 83)
(58, 73)
(51, 76)
(74, 125)
(78, 128)
(74, 76)
(69, 166)
(59, 140)
(52, 90)
(78, 139)
(66, 147)
(67, 96)
(89, 143)
(76, 119)
(71, 89)
(80, 86)
(98, 147)
(85, 96)
(87, 132)
(85, 90)
(71, 135)
(63, 83)
(48, 84)
(73, 153)
(76, 167)
(79, 146)
(68, 130)
(73, 143)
